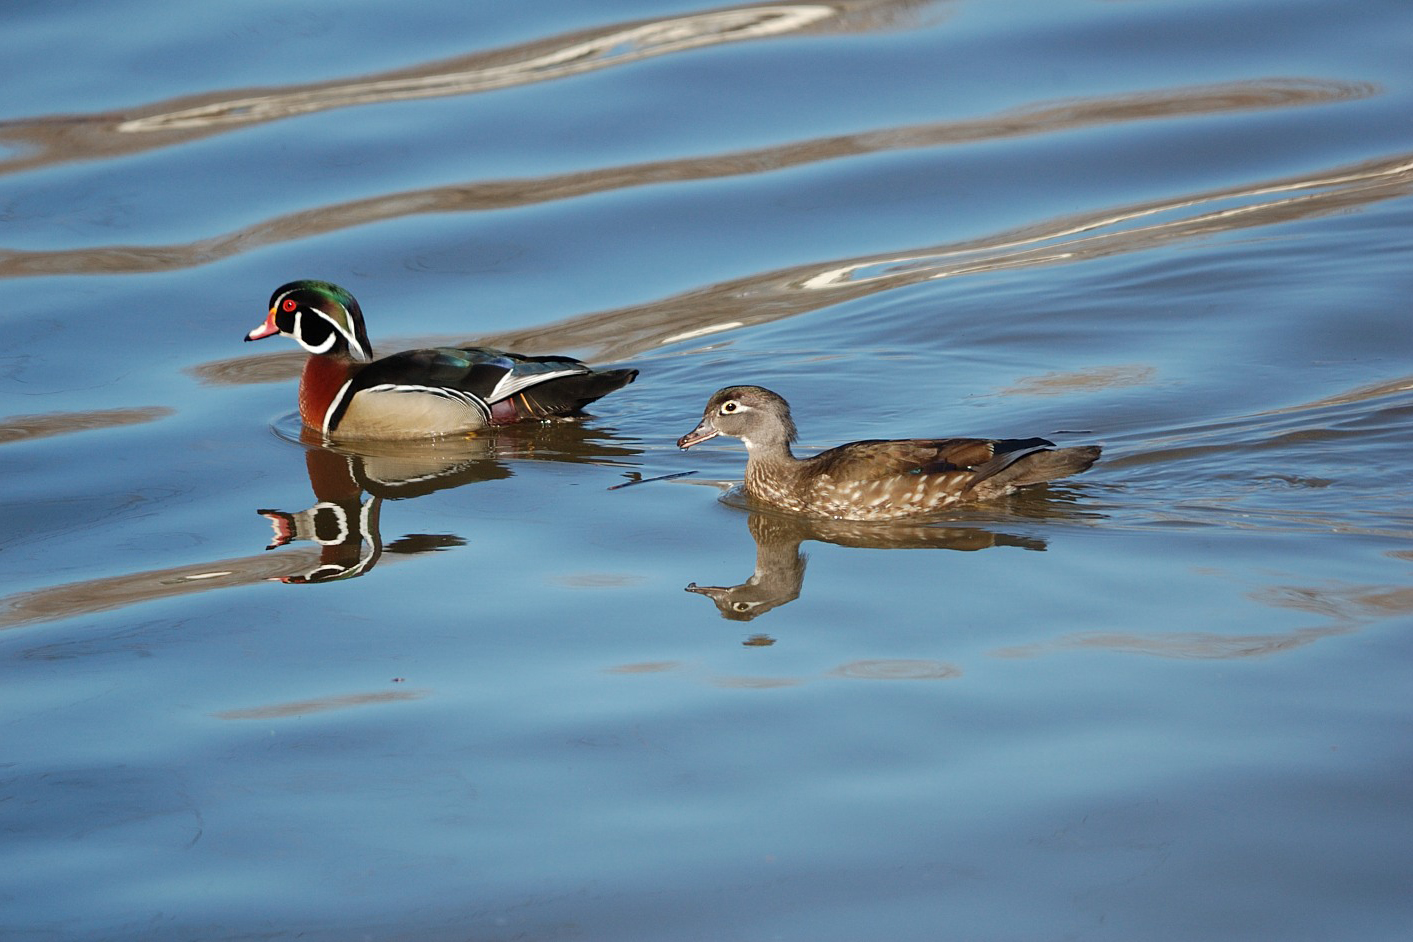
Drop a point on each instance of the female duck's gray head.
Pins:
(753, 414)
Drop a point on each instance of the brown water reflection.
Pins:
(345, 520)
(897, 669)
(1348, 608)
(23, 428)
(91, 596)
(1259, 94)
(624, 333)
(866, 669)
(296, 708)
(1287, 445)
(1060, 384)
(57, 139)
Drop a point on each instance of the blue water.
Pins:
(1166, 699)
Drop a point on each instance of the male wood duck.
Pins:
(346, 394)
(874, 480)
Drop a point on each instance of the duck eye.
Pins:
(729, 406)
(289, 304)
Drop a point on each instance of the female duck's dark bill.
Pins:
(698, 435)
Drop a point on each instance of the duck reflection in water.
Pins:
(780, 563)
(350, 490)
(350, 487)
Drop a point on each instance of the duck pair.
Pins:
(346, 394)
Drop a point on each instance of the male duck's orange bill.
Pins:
(267, 329)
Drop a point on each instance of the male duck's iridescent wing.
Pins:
(469, 387)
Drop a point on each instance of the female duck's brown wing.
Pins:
(874, 459)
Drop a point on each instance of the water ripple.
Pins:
(483, 196)
(626, 332)
(617, 47)
(54, 139)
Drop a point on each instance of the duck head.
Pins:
(753, 414)
(321, 317)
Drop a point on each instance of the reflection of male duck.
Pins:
(780, 563)
(350, 488)
(345, 524)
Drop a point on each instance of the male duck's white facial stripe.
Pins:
(354, 346)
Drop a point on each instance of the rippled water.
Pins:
(256, 687)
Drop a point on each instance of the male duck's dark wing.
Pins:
(482, 378)
(874, 459)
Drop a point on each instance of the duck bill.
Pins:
(696, 436)
(266, 329)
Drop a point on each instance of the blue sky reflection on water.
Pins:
(259, 686)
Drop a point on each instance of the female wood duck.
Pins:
(874, 480)
(344, 393)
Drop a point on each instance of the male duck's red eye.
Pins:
(288, 304)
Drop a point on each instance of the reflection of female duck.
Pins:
(874, 480)
(346, 394)
(780, 563)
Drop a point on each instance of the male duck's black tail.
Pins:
(570, 394)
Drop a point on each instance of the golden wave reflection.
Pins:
(1361, 394)
(100, 595)
(1060, 384)
(1257, 94)
(897, 669)
(276, 711)
(1347, 607)
(615, 47)
(1139, 226)
(19, 428)
(54, 139)
(627, 332)
(1199, 645)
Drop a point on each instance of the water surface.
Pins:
(261, 687)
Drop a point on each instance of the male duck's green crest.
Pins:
(321, 317)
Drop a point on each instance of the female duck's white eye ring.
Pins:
(728, 406)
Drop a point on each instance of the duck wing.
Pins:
(503, 386)
(875, 459)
